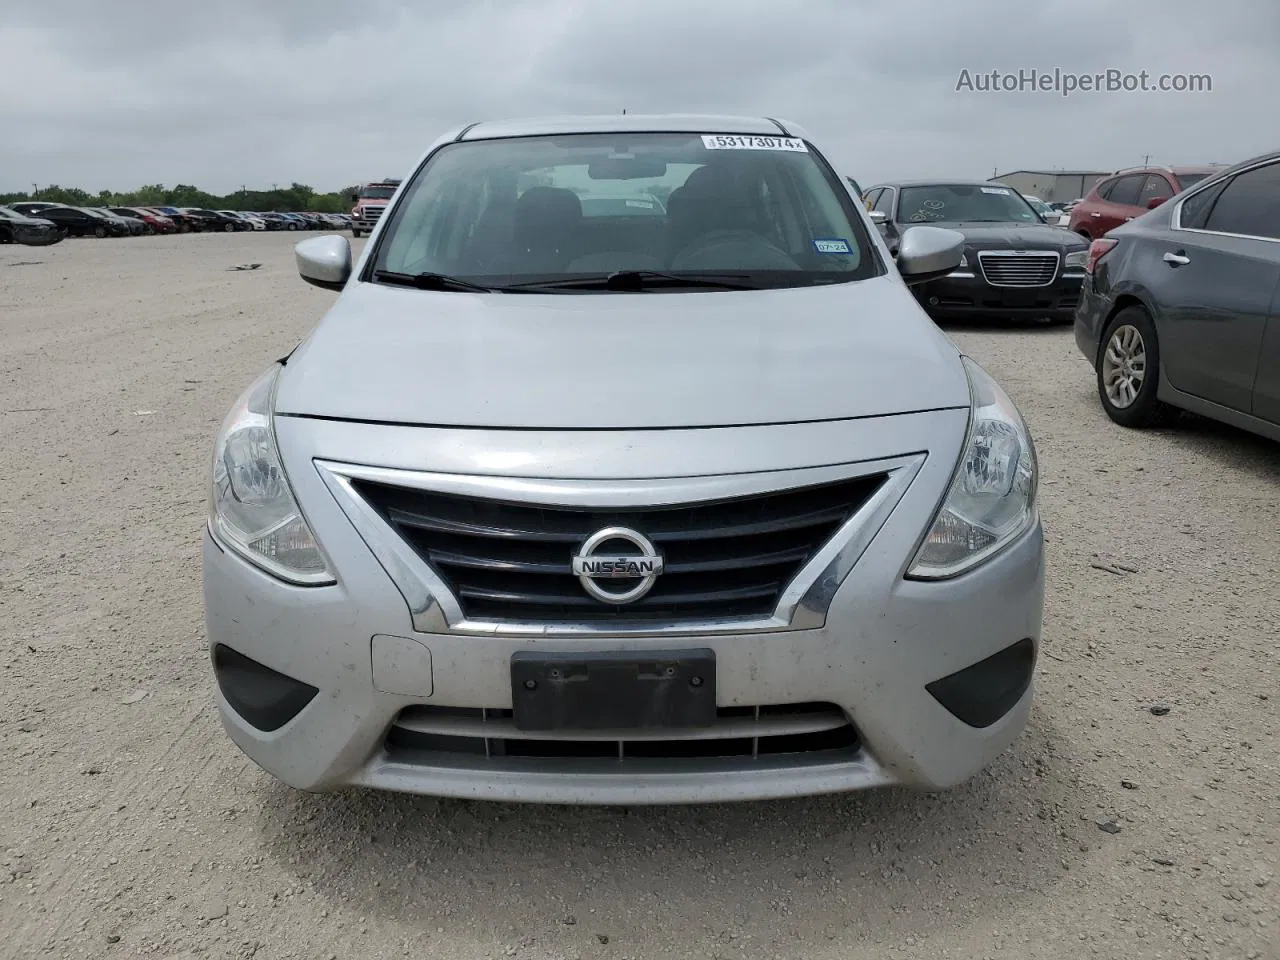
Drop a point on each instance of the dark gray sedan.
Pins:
(1015, 266)
(1181, 309)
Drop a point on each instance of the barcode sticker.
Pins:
(715, 141)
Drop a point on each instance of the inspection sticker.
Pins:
(716, 141)
(999, 191)
(833, 245)
(642, 204)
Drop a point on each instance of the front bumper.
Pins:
(884, 640)
(36, 236)
(967, 294)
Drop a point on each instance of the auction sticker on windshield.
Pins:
(832, 245)
(998, 191)
(715, 141)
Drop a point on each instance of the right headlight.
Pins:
(252, 508)
(992, 498)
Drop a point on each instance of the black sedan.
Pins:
(213, 220)
(74, 221)
(17, 227)
(1015, 265)
(1181, 309)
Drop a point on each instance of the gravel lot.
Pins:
(129, 826)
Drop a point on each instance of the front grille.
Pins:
(814, 730)
(1019, 270)
(722, 559)
(370, 213)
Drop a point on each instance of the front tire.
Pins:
(1128, 369)
(99, 232)
(355, 234)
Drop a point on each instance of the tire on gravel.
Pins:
(1132, 330)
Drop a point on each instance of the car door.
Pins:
(1119, 206)
(1266, 384)
(65, 218)
(1213, 282)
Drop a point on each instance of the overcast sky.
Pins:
(328, 92)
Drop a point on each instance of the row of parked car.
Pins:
(38, 223)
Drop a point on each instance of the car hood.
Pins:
(1018, 236)
(623, 360)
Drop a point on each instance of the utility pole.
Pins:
(1146, 161)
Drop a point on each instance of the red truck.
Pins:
(370, 200)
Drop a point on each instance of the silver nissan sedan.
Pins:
(675, 499)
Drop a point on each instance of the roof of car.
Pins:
(940, 182)
(624, 122)
(1056, 173)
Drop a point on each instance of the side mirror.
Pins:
(878, 217)
(927, 253)
(324, 262)
(355, 197)
(1155, 202)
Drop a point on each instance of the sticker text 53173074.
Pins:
(717, 141)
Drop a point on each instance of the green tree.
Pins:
(297, 196)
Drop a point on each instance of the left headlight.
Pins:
(992, 498)
(1077, 258)
(252, 508)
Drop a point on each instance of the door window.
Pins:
(1126, 190)
(1249, 204)
(1154, 186)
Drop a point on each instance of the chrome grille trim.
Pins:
(1019, 268)
(746, 733)
(802, 604)
(492, 724)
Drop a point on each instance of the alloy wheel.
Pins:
(1124, 366)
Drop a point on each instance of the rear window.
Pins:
(766, 209)
(1187, 179)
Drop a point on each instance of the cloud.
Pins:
(329, 92)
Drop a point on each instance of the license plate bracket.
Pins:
(1019, 298)
(626, 690)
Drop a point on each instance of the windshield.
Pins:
(377, 193)
(955, 202)
(496, 212)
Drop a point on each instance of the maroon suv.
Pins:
(1130, 193)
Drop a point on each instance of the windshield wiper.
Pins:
(430, 281)
(640, 280)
